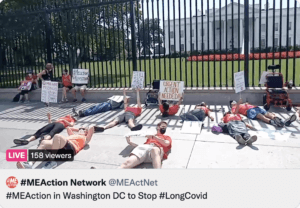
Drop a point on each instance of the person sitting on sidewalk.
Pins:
(254, 112)
(76, 140)
(153, 151)
(48, 131)
(67, 85)
(128, 116)
(100, 108)
(168, 109)
(198, 114)
(25, 88)
(237, 128)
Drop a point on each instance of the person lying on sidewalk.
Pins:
(198, 114)
(76, 140)
(100, 108)
(47, 132)
(128, 116)
(237, 128)
(153, 151)
(168, 109)
(293, 117)
(254, 112)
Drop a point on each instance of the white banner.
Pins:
(80, 76)
(138, 79)
(49, 92)
(171, 90)
(239, 80)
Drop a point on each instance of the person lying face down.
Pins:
(47, 132)
(128, 116)
(254, 112)
(76, 140)
(198, 114)
(237, 128)
(154, 150)
(168, 109)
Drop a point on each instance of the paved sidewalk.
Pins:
(109, 149)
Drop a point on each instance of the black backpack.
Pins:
(17, 98)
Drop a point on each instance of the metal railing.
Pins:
(201, 42)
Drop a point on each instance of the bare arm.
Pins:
(208, 114)
(49, 118)
(90, 134)
(181, 99)
(159, 99)
(238, 106)
(131, 143)
(40, 74)
(163, 142)
(138, 99)
(125, 99)
(70, 131)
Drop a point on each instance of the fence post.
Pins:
(48, 38)
(133, 35)
(246, 43)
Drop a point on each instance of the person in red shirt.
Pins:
(198, 114)
(153, 151)
(254, 112)
(76, 140)
(47, 132)
(237, 128)
(67, 85)
(168, 109)
(128, 116)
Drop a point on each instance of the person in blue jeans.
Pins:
(100, 108)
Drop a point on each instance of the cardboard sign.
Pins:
(49, 92)
(117, 98)
(191, 127)
(263, 78)
(171, 90)
(80, 76)
(239, 80)
(138, 78)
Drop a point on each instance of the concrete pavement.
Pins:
(274, 149)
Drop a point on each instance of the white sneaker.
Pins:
(50, 165)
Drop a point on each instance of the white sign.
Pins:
(117, 98)
(49, 92)
(138, 78)
(191, 127)
(80, 76)
(239, 80)
(263, 78)
(171, 90)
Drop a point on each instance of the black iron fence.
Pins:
(202, 42)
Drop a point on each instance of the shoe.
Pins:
(278, 122)
(291, 120)
(75, 100)
(272, 122)
(252, 140)
(21, 141)
(240, 139)
(137, 127)
(83, 100)
(66, 100)
(25, 165)
(99, 129)
(50, 165)
(74, 111)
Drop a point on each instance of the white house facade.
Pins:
(185, 29)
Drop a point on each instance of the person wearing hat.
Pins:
(168, 109)
(198, 114)
(254, 112)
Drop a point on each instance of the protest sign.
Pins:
(117, 98)
(239, 80)
(49, 92)
(263, 78)
(171, 90)
(80, 76)
(138, 78)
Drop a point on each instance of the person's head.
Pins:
(232, 103)
(203, 104)
(29, 74)
(162, 127)
(49, 67)
(227, 113)
(65, 72)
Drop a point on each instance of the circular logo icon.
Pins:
(11, 182)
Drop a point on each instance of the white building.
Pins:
(208, 43)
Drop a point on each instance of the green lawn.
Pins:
(118, 73)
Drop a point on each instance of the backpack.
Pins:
(17, 98)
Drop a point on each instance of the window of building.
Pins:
(193, 33)
(290, 25)
(263, 43)
(182, 47)
(203, 47)
(172, 48)
(171, 34)
(263, 27)
(276, 26)
(182, 33)
(193, 46)
(290, 41)
(276, 42)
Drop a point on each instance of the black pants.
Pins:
(50, 129)
(238, 128)
(194, 115)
